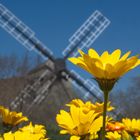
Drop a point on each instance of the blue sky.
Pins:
(54, 21)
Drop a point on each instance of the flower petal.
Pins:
(93, 54)
(74, 138)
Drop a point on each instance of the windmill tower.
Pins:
(38, 96)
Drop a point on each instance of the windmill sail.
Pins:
(87, 33)
(86, 86)
(22, 33)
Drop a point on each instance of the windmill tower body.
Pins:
(52, 93)
(49, 87)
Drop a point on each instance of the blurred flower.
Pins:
(125, 129)
(79, 123)
(132, 126)
(113, 135)
(29, 132)
(122, 135)
(107, 68)
(37, 129)
(77, 103)
(115, 126)
(97, 107)
(126, 135)
(11, 118)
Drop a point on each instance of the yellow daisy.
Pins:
(79, 123)
(132, 126)
(97, 107)
(113, 135)
(11, 118)
(28, 132)
(107, 67)
(122, 135)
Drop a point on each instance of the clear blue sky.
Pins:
(54, 21)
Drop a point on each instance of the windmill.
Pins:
(38, 91)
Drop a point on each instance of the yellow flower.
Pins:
(8, 136)
(76, 102)
(123, 129)
(11, 118)
(75, 138)
(122, 135)
(107, 68)
(29, 132)
(138, 138)
(79, 123)
(113, 135)
(132, 126)
(97, 107)
(37, 129)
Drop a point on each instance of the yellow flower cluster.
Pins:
(125, 130)
(83, 121)
(107, 69)
(97, 107)
(28, 132)
(133, 126)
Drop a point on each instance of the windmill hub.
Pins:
(60, 65)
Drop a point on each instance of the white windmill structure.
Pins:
(38, 91)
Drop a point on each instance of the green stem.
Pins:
(104, 114)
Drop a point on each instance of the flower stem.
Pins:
(104, 114)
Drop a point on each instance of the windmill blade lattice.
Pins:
(22, 33)
(87, 33)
